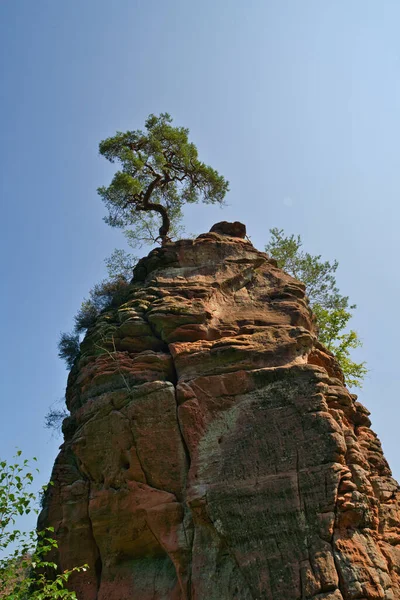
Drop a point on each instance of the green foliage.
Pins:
(160, 172)
(317, 276)
(86, 316)
(332, 310)
(68, 347)
(25, 571)
(120, 265)
(146, 230)
(109, 292)
(332, 324)
(101, 297)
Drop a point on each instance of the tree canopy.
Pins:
(160, 172)
(332, 310)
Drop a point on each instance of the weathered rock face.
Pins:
(212, 451)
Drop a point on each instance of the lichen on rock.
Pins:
(213, 451)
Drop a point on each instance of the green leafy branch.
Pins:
(25, 571)
(332, 310)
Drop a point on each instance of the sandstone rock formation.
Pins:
(213, 452)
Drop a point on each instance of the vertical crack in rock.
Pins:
(231, 463)
(334, 551)
(186, 590)
(185, 447)
(98, 566)
(174, 381)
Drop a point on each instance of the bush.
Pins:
(102, 296)
(26, 572)
(54, 418)
(109, 292)
(68, 348)
(120, 265)
(86, 316)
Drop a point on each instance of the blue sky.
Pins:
(295, 102)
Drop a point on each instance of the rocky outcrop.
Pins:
(213, 451)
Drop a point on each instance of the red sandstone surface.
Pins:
(213, 452)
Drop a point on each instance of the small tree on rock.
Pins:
(332, 310)
(160, 172)
(68, 347)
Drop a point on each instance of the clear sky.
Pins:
(296, 102)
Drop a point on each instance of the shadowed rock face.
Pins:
(212, 451)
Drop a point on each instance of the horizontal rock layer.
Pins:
(213, 451)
